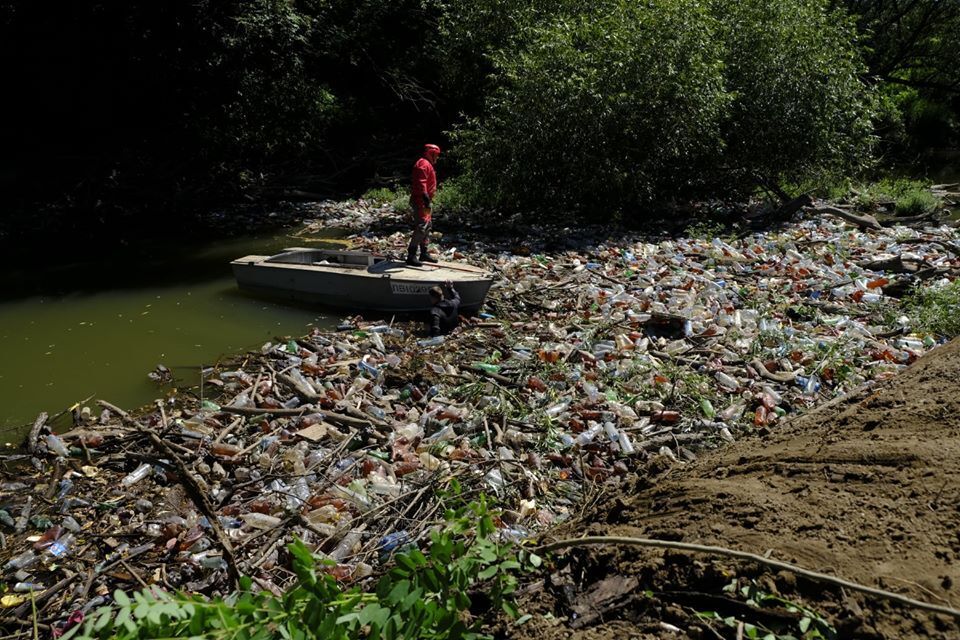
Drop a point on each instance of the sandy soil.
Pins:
(866, 488)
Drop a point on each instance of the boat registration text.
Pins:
(409, 288)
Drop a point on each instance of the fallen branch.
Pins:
(786, 376)
(744, 555)
(865, 221)
(35, 433)
(190, 483)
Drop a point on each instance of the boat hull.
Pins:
(388, 286)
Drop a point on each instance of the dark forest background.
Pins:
(133, 116)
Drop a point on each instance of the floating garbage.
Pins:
(585, 363)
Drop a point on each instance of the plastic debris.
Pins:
(586, 362)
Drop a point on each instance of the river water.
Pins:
(100, 325)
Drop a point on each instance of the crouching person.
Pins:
(445, 310)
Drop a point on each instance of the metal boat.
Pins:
(357, 280)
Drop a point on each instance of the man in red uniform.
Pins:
(423, 187)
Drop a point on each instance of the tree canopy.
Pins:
(553, 105)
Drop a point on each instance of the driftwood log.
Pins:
(864, 221)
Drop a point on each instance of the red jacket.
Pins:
(424, 182)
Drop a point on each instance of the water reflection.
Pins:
(99, 326)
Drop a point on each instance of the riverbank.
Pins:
(598, 356)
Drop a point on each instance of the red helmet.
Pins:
(431, 151)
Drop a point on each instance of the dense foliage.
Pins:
(638, 103)
(910, 47)
(601, 111)
(436, 594)
(556, 105)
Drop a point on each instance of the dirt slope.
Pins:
(866, 488)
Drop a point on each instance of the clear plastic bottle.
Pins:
(346, 546)
(626, 444)
(56, 445)
(136, 475)
(260, 520)
(727, 382)
(21, 561)
(60, 547)
(430, 342)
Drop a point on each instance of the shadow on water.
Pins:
(150, 264)
(96, 324)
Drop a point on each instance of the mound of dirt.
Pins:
(865, 488)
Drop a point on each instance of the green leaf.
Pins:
(804, 624)
(121, 598)
(104, 614)
(488, 573)
(523, 619)
(412, 598)
(399, 592)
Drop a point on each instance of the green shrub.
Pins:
(381, 196)
(916, 203)
(801, 110)
(909, 197)
(596, 113)
(453, 196)
(935, 310)
(631, 104)
(426, 595)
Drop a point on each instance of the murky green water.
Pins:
(99, 326)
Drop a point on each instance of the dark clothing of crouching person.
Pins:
(445, 312)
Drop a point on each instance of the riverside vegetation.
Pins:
(609, 110)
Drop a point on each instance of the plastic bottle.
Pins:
(376, 412)
(626, 444)
(495, 479)
(260, 520)
(55, 445)
(430, 342)
(727, 382)
(61, 546)
(21, 561)
(346, 546)
(65, 485)
(612, 432)
(28, 586)
(368, 368)
(136, 475)
(393, 541)
(224, 449)
(707, 407)
(587, 436)
(557, 409)
(210, 562)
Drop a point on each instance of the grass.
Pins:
(907, 197)
(935, 310)
(450, 197)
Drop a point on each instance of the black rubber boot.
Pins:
(425, 256)
(412, 258)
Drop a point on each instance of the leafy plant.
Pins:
(810, 626)
(381, 195)
(428, 594)
(935, 309)
(916, 203)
